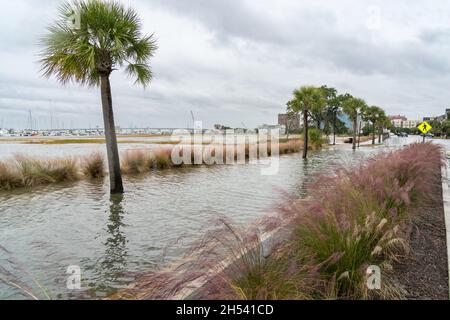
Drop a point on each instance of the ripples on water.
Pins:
(154, 222)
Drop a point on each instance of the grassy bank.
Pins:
(22, 171)
(356, 219)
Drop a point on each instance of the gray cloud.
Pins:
(237, 62)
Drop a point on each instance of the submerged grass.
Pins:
(24, 171)
(93, 166)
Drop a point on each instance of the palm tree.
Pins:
(331, 108)
(107, 38)
(373, 115)
(364, 114)
(352, 106)
(382, 122)
(305, 99)
(335, 108)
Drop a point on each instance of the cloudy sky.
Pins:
(236, 62)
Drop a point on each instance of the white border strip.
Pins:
(446, 203)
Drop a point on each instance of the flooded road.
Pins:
(44, 231)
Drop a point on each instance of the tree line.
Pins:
(321, 106)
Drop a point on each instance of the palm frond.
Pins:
(108, 37)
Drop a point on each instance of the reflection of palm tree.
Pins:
(305, 179)
(114, 260)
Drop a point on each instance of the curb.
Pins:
(267, 242)
(446, 203)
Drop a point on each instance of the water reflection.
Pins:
(114, 260)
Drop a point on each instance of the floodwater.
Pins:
(48, 229)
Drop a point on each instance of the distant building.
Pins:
(438, 118)
(410, 124)
(399, 121)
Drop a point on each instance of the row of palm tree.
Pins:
(323, 104)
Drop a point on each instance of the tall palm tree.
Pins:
(305, 99)
(383, 122)
(107, 38)
(374, 115)
(333, 104)
(352, 106)
(363, 115)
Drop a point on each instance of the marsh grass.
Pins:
(22, 171)
(93, 165)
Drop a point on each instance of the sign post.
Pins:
(424, 127)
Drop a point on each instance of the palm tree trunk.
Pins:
(373, 134)
(115, 176)
(359, 133)
(305, 134)
(334, 130)
(355, 124)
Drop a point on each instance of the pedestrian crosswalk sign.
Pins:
(424, 127)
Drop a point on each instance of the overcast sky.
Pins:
(236, 62)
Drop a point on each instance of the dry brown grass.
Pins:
(22, 171)
(93, 165)
(25, 171)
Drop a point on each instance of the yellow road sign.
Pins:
(424, 127)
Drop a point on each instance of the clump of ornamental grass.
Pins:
(136, 162)
(93, 165)
(9, 176)
(24, 171)
(162, 159)
(354, 220)
(292, 146)
(34, 172)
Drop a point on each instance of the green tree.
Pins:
(306, 99)
(437, 128)
(445, 127)
(363, 114)
(107, 38)
(331, 109)
(352, 107)
(382, 122)
(374, 115)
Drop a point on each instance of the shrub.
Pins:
(9, 177)
(315, 137)
(136, 162)
(93, 165)
(22, 171)
(162, 159)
